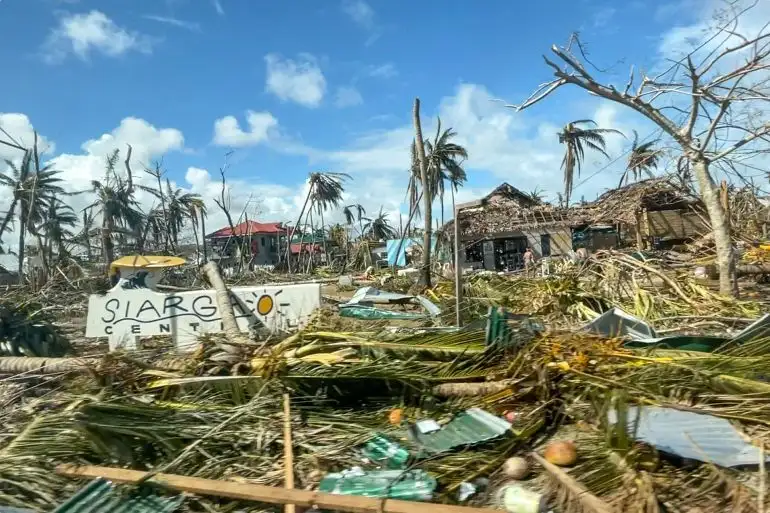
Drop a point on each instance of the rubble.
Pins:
(421, 411)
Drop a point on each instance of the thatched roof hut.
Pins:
(623, 204)
(508, 210)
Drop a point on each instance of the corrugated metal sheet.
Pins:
(690, 435)
(470, 427)
(100, 496)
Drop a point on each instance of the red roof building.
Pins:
(249, 228)
(307, 247)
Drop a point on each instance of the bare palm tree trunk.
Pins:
(311, 253)
(294, 229)
(323, 233)
(720, 226)
(197, 238)
(22, 230)
(442, 206)
(458, 269)
(427, 197)
(229, 324)
(203, 237)
(108, 250)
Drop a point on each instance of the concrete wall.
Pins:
(266, 255)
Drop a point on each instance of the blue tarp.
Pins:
(392, 247)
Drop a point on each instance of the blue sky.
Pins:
(299, 85)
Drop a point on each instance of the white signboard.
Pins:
(124, 315)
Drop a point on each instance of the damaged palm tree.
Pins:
(229, 323)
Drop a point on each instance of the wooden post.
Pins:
(288, 453)
(266, 494)
(458, 272)
(639, 237)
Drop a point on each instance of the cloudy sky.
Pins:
(295, 86)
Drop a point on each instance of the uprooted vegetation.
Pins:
(215, 413)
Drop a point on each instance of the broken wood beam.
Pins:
(266, 494)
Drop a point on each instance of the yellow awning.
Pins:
(146, 262)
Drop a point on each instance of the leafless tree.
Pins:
(710, 103)
(223, 202)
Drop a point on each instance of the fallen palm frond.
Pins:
(26, 330)
(579, 293)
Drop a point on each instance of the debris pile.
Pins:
(533, 405)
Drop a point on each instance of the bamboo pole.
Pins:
(288, 454)
(458, 270)
(266, 494)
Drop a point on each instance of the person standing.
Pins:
(529, 260)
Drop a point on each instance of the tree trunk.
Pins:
(43, 257)
(720, 227)
(639, 236)
(458, 268)
(294, 229)
(7, 218)
(108, 250)
(442, 208)
(197, 239)
(11, 365)
(427, 196)
(323, 233)
(311, 253)
(203, 237)
(229, 324)
(22, 229)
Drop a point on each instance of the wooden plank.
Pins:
(266, 494)
(288, 453)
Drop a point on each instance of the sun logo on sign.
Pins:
(265, 304)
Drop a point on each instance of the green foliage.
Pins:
(26, 330)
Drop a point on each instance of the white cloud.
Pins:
(148, 143)
(218, 7)
(684, 38)
(228, 132)
(300, 81)
(360, 12)
(176, 22)
(94, 32)
(348, 96)
(502, 146)
(362, 15)
(77, 170)
(387, 70)
(19, 130)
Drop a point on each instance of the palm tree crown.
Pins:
(576, 139)
(444, 159)
(643, 158)
(379, 227)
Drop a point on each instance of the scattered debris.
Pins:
(691, 435)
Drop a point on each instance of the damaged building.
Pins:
(496, 230)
